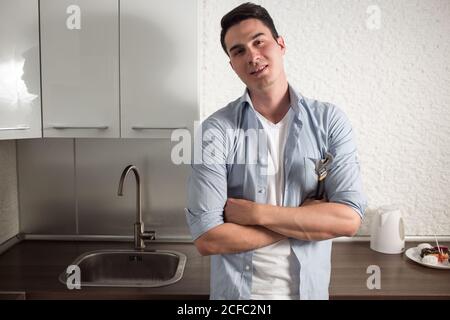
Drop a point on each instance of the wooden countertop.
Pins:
(33, 267)
(401, 278)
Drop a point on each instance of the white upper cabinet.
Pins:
(20, 106)
(80, 68)
(158, 66)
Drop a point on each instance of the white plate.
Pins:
(414, 255)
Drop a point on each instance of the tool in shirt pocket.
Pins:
(322, 168)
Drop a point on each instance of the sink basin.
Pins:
(129, 268)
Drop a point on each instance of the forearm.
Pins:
(234, 238)
(312, 222)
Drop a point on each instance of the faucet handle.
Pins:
(148, 235)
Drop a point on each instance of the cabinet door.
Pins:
(80, 68)
(158, 66)
(20, 105)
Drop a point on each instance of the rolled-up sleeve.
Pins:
(207, 183)
(343, 183)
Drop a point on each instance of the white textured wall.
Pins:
(392, 82)
(9, 212)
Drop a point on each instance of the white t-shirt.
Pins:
(275, 267)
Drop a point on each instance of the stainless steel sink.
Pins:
(129, 268)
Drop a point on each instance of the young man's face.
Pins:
(255, 56)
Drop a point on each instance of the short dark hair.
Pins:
(243, 12)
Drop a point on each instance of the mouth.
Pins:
(259, 70)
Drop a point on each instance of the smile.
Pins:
(258, 71)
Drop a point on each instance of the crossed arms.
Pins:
(249, 225)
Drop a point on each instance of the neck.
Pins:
(273, 103)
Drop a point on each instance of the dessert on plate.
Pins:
(433, 255)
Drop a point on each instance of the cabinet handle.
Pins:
(157, 128)
(16, 128)
(79, 127)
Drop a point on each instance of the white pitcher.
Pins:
(387, 231)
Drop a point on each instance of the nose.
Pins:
(253, 55)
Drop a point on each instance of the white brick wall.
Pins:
(393, 83)
(9, 212)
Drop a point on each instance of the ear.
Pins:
(281, 43)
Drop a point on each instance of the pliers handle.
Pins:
(322, 172)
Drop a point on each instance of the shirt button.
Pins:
(247, 267)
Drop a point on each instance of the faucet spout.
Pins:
(125, 172)
(139, 234)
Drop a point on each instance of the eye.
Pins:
(259, 43)
(238, 52)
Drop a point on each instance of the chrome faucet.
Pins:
(140, 236)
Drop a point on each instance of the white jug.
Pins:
(387, 231)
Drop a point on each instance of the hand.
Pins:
(241, 211)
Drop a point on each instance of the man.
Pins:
(264, 220)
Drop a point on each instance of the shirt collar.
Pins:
(296, 98)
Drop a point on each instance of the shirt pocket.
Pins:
(311, 178)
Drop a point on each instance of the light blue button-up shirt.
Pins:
(234, 166)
